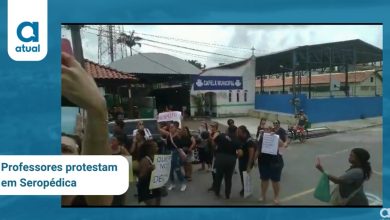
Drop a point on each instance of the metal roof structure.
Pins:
(314, 56)
(152, 68)
(318, 56)
(154, 63)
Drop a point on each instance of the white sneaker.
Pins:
(172, 186)
(183, 187)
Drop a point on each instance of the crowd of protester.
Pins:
(219, 151)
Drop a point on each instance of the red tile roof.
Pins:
(358, 76)
(103, 72)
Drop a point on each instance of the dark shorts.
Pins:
(271, 170)
(202, 155)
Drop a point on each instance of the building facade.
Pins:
(361, 83)
(212, 94)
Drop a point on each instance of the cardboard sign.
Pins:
(160, 175)
(270, 144)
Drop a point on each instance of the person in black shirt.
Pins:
(225, 160)
(270, 166)
(146, 166)
(214, 132)
(261, 128)
(248, 148)
(120, 133)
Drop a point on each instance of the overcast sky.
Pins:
(233, 41)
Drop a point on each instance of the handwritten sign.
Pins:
(247, 184)
(270, 144)
(160, 175)
(169, 116)
(130, 160)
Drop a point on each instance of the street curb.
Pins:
(357, 129)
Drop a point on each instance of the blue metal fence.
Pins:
(322, 110)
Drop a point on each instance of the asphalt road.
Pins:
(299, 176)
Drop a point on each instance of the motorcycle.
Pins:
(297, 133)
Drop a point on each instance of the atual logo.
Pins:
(27, 30)
(385, 213)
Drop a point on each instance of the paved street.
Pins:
(299, 176)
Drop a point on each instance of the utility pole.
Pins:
(77, 44)
(253, 51)
(330, 72)
(293, 82)
(111, 43)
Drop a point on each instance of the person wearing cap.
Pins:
(349, 188)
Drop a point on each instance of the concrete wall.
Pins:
(363, 89)
(322, 110)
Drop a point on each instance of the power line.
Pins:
(154, 61)
(188, 48)
(193, 42)
(198, 55)
(186, 53)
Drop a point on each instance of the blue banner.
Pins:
(217, 83)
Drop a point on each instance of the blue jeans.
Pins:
(176, 167)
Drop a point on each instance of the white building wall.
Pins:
(224, 107)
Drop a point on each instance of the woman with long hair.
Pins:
(188, 144)
(225, 159)
(149, 197)
(173, 140)
(248, 148)
(349, 188)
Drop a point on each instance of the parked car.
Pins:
(131, 124)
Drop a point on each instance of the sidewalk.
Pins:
(350, 125)
(338, 126)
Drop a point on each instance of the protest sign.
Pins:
(169, 116)
(160, 174)
(270, 144)
(247, 184)
(130, 160)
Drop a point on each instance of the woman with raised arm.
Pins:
(173, 144)
(80, 88)
(349, 190)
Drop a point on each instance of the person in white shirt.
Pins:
(140, 126)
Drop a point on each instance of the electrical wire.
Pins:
(183, 47)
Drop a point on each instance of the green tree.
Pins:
(197, 64)
(129, 40)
